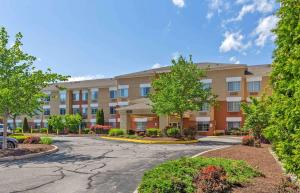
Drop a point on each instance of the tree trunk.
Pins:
(14, 121)
(4, 142)
(181, 124)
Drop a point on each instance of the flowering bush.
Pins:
(248, 140)
(212, 179)
(32, 140)
(100, 129)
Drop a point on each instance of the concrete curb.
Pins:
(196, 155)
(149, 141)
(33, 155)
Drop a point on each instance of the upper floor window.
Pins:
(85, 95)
(253, 86)
(233, 106)
(206, 83)
(47, 111)
(145, 90)
(113, 92)
(112, 110)
(62, 97)
(75, 95)
(123, 91)
(94, 110)
(94, 95)
(76, 110)
(234, 86)
(204, 107)
(47, 98)
(62, 111)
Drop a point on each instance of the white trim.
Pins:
(125, 103)
(112, 104)
(94, 105)
(112, 88)
(93, 120)
(94, 89)
(255, 78)
(62, 106)
(140, 119)
(11, 121)
(46, 106)
(75, 106)
(233, 119)
(198, 119)
(84, 106)
(75, 92)
(85, 91)
(145, 85)
(206, 81)
(233, 99)
(123, 86)
(233, 79)
(111, 120)
(47, 92)
(37, 120)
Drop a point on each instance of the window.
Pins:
(75, 96)
(45, 124)
(47, 111)
(84, 113)
(47, 98)
(233, 125)
(204, 107)
(233, 86)
(85, 95)
(76, 111)
(62, 111)
(94, 95)
(254, 86)
(94, 110)
(203, 125)
(113, 94)
(112, 110)
(233, 106)
(123, 92)
(113, 124)
(206, 86)
(62, 97)
(144, 91)
(37, 125)
(141, 126)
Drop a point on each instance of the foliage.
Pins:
(32, 140)
(20, 138)
(57, 122)
(180, 90)
(177, 176)
(116, 132)
(257, 116)
(190, 133)
(130, 132)
(248, 140)
(18, 130)
(20, 83)
(46, 140)
(86, 130)
(25, 125)
(100, 129)
(73, 122)
(283, 130)
(43, 130)
(100, 117)
(212, 179)
(173, 132)
(152, 132)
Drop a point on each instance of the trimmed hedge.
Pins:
(178, 176)
(46, 140)
(116, 132)
(152, 132)
(19, 137)
(173, 132)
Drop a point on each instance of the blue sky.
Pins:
(104, 38)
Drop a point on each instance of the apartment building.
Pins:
(125, 103)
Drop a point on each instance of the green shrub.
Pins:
(248, 140)
(116, 132)
(173, 132)
(43, 130)
(18, 130)
(18, 137)
(46, 140)
(85, 131)
(190, 133)
(152, 132)
(179, 175)
(130, 132)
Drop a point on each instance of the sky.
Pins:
(104, 38)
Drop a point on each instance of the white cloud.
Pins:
(178, 3)
(234, 60)
(156, 65)
(216, 6)
(233, 41)
(263, 30)
(87, 77)
(209, 15)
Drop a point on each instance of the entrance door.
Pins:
(174, 124)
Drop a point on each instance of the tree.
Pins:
(25, 125)
(73, 122)
(57, 122)
(180, 90)
(257, 116)
(20, 83)
(283, 130)
(100, 117)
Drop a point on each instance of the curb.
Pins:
(149, 141)
(196, 155)
(33, 155)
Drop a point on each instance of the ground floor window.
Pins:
(37, 125)
(203, 125)
(113, 124)
(233, 125)
(141, 126)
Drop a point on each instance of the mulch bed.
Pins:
(24, 149)
(259, 158)
(161, 139)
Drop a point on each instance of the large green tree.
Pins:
(284, 129)
(20, 81)
(73, 122)
(180, 90)
(57, 122)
